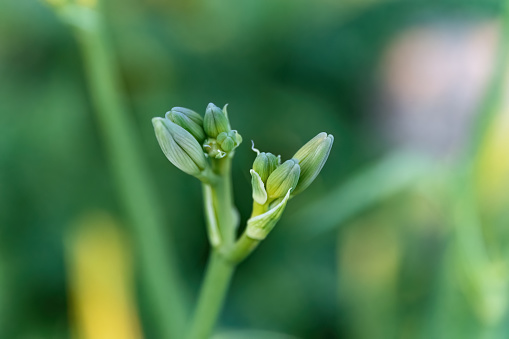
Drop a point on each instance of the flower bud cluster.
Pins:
(272, 180)
(192, 143)
(274, 183)
(187, 138)
(221, 139)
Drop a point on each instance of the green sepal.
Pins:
(260, 226)
(259, 193)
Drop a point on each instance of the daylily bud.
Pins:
(311, 157)
(215, 121)
(265, 164)
(189, 120)
(228, 140)
(179, 146)
(283, 178)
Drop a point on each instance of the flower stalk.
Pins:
(204, 148)
(160, 277)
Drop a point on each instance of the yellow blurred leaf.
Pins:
(101, 280)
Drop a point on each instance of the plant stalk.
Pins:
(212, 296)
(242, 248)
(160, 277)
(222, 200)
(222, 223)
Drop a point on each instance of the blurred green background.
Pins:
(405, 234)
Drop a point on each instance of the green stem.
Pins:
(212, 296)
(226, 254)
(160, 276)
(259, 209)
(222, 199)
(221, 222)
(213, 231)
(474, 250)
(243, 247)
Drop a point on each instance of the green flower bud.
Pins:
(228, 140)
(284, 178)
(179, 146)
(265, 164)
(215, 121)
(189, 120)
(311, 157)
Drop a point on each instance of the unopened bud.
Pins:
(265, 164)
(215, 121)
(311, 157)
(189, 120)
(283, 178)
(229, 140)
(179, 146)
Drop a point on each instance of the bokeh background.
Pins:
(405, 234)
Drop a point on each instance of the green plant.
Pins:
(160, 277)
(204, 148)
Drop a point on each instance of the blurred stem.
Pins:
(473, 248)
(469, 234)
(494, 91)
(160, 276)
(469, 237)
(393, 174)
